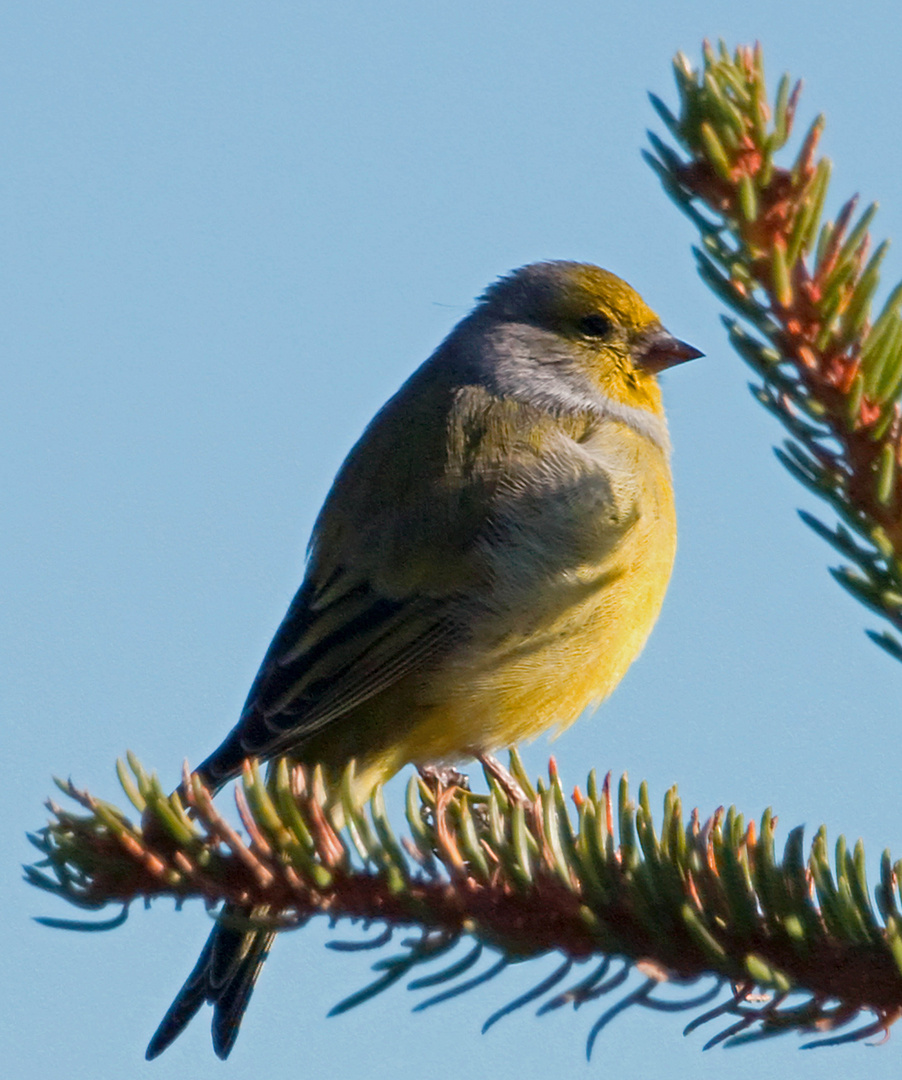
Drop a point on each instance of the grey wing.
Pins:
(325, 660)
(396, 572)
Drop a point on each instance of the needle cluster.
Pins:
(589, 877)
(829, 370)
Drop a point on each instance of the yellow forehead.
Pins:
(594, 288)
(557, 294)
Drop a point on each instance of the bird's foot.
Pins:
(504, 779)
(439, 777)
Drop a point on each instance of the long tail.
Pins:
(224, 976)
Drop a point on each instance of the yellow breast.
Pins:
(570, 639)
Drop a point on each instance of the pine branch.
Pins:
(830, 374)
(596, 883)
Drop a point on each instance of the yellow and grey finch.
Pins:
(491, 558)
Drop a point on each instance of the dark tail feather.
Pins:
(233, 995)
(189, 999)
(224, 975)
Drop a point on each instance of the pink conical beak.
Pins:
(657, 350)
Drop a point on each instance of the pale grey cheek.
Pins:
(536, 367)
(546, 380)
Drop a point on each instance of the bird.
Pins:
(489, 561)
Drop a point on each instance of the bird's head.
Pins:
(607, 334)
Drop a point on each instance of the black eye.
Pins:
(599, 326)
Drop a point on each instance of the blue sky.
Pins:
(229, 233)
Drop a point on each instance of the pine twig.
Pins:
(830, 374)
(590, 878)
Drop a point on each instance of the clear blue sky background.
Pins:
(229, 231)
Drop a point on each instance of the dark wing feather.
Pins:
(394, 551)
(325, 660)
